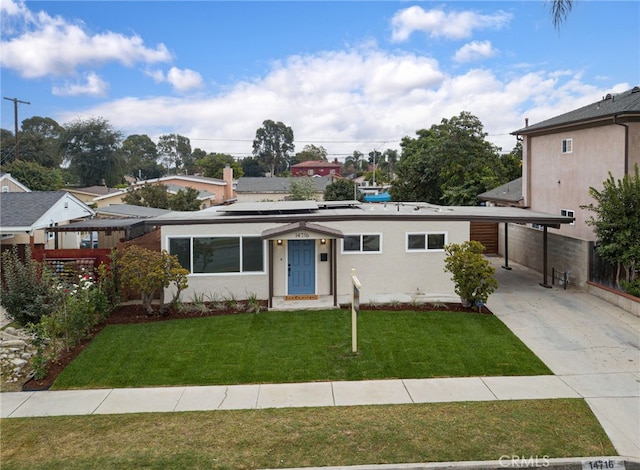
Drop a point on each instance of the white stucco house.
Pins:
(301, 253)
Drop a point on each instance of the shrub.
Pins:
(149, 273)
(27, 287)
(471, 272)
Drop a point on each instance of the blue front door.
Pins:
(302, 267)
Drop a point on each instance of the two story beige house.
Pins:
(562, 158)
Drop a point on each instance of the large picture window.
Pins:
(361, 244)
(426, 241)
(219, 255)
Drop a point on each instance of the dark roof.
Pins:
(95, 190)
(24, 209)
(276, 184)
(617, 104)
(510, 192)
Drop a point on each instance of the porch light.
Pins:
(279, 242)
(323, 241)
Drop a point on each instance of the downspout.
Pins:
(626, 143)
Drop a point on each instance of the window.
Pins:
(5, 189)
(567, 145)
(219, 255)
(568, 213)
(361, 244)
(310, 172)
(426, 241)
(537, 226)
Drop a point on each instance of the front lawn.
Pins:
(279, 347)
(301, 437)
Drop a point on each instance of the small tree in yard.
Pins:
(150, 273)
(616, 224)
(472, 272)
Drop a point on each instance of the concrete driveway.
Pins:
(593, 346)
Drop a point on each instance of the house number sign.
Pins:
(302, 235)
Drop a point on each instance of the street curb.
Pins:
(506, 462)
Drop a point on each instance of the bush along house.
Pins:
(299, 254)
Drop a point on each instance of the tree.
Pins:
(212, 165)
(141, 156)
(302, 189)
(91, 149)
(252, 167)
(158, 196)
(40, 141)
(35, 176)
(7, 146)
(151, 272)
(616, 224)
(355, 164)
(273, 145)
(449, 163)
(342, 190)
(175, 150)
(148, 195)
(560, 10)
(310, 152)
(185, 200)
(472, 274)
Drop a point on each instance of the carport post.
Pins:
(506, 247)
(544, 259)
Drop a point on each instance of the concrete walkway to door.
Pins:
(593, 346)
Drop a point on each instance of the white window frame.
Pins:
(361, 251)
(426, 242)
(566, 146)
(235, 273)
(569, 213)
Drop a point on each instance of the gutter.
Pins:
(626, 143)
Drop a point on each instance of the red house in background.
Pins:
(316, 168)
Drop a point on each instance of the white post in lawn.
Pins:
(355, 310)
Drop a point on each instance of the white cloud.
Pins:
(182, 80)
(358, 99)
(438, 23)
(92, 86)
(39, 45)
(475, 50)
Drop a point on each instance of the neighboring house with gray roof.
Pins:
(257, 189)
(562, 158)
(508, 194)
(26, 216)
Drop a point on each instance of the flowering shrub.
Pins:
(26, 291)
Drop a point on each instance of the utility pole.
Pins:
(15, 116)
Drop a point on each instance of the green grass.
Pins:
(278, 347)
(301, 437)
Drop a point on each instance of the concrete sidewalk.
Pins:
(591, 346)
(234, 397)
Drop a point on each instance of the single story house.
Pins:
(26, 217)
(301, 253)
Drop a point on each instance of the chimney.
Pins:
(526, 122)
(227, 176)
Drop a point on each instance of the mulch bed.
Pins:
(135, 313)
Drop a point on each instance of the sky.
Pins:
(349, 75)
